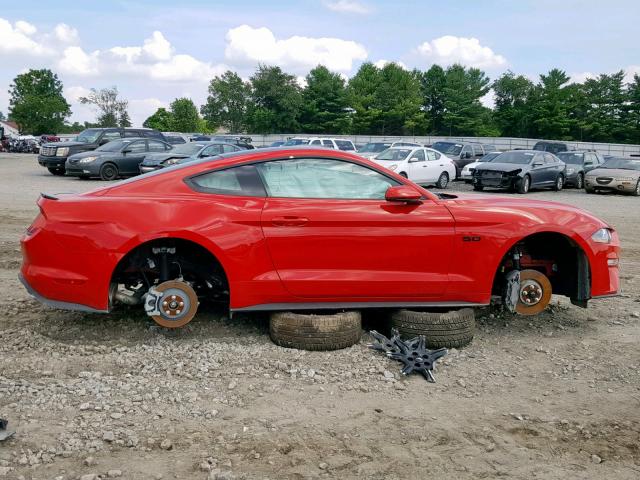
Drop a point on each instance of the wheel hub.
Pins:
(531, 292)
(171, 304)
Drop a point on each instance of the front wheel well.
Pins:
(557, 256)
(159, 260)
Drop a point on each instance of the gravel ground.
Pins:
(92, 397)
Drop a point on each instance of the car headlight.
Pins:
(87, 159)
(513, 173)
(602, 236)
(62, 151)
(392, 167)
(171, 161)
(570, 171)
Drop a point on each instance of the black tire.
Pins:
(478, 188)
(315, 332)
(580, 181)
(108, 171)
(559, 183)
(589, 190)
(57, 171)
(524, 184)
(452, 329)
(402, 174)
(636, 192)
(443, 180)
(84, 177)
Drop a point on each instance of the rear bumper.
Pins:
(57, 303)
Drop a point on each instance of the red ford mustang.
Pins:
(282, 229)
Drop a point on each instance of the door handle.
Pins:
(289, 221)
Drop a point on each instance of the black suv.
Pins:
(462, 153)
(54, 155)
(551, 147)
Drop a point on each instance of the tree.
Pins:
(602, 103)
(185, 117)
(324, 103)
(124, 120)
(36, 102)
(363, 99)
(511, 112)
(110, 107)
(633, 110)
(276, 101)
(2, 117)
(550, 103)
(399, 98)
(228, 102)
(161, 120)
(463, 113)
(433, 83)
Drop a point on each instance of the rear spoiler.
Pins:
(48, 196)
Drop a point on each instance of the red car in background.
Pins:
(303, 228)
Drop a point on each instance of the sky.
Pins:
(155, 51)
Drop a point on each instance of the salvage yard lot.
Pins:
(553, 396)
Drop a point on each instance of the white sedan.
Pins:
(423, 166)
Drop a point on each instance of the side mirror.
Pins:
(402, 193)
(103, 141)
(467, 155)
(126, 150)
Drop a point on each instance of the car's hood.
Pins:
(468, 165)
(158, 158)
(91, 153)
(613, 172)
(65, 144)
(501, 167)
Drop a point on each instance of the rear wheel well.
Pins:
(557, 256)
(162, 259)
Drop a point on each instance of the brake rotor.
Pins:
(177, 304)
(534, 293)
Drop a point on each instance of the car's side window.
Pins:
(155, 146)
(131, 133)
(327, 143)
(137, 147)
(432, 156)
(477, 150)
(466, 149)
(112, 135)
(229, 148)
(538, 158)
(241, 180)
(315, 142)
(549, 159)
(211, 150)
(323, 178)
(418, 156)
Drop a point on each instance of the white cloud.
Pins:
(157, 47)
(185, 67)
(141, 109)
(449, 49)
(250, 45)
(381, 63)
(348, 6)
(17, 38)
(581, 77)
(489, 99)
(75, 61)
(66, 34)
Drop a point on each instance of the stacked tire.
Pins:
(315, 332)
(452, 329)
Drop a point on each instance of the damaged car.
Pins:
(520, 171)
(307, 229)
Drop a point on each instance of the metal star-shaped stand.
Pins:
(412, 353)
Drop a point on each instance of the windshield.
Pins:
(448, 148)
(89, 135)
(187, 148)
(520, 158)
(296, 141)
(113, 146)
(488, 157)
(622, 164)
(572, 158)
(374, 147)
(394, 154)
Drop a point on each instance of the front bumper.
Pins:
(149, 168)
(82, 169)
(52, 162)
(495, 181)
(614, 185)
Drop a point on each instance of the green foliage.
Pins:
(161, 120)
(124, 120)
(511, 113)
(228, 102)
(633, 110)
(324, 103)
(110, 108)
(36, 102)
(276, 101)
(550, 105)
(185, 117)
